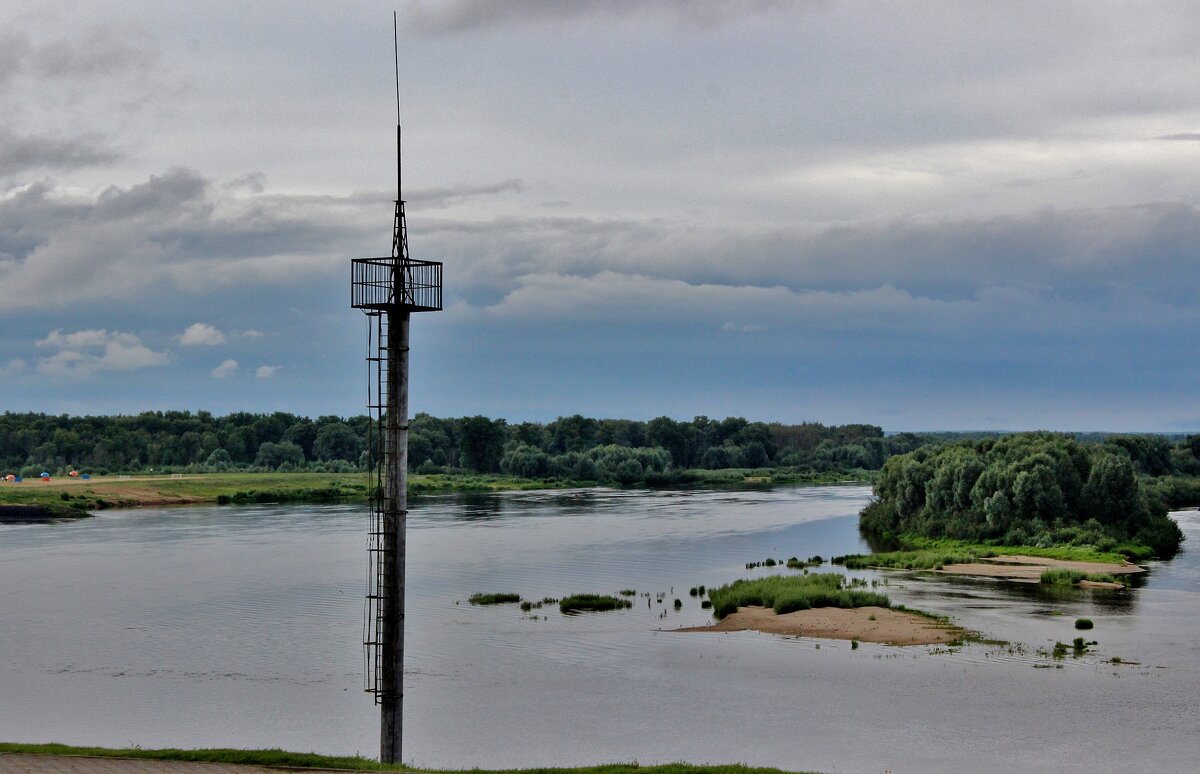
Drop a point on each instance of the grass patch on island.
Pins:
(1061, 576)
(788, 593)
(921, 553)
(908, 560)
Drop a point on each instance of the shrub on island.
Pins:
(788, 593)
(591, 603)
(493, 599)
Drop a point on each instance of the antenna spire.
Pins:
(396, 53)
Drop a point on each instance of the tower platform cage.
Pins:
(393, 284)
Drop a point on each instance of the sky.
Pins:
(921, 215)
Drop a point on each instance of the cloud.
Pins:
(21, 153)
(175, 232)
(201, 335)
(99, 51)
(1183, 136)
(265, 372)
(226, 368)
(464, 15)
(85, 352)
(729, 326)
(13, 367)
(1098, 254)
(437, 198)
(249, 334)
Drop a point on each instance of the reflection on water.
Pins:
(240, 627)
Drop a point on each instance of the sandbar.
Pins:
(867, 624)
(1028, 569)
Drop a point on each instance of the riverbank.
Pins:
(865, 624)
(80, 496)
(38, 514)
(105, 492)
(56, 758)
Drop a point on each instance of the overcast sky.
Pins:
(923, 215)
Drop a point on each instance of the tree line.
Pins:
(575, 447)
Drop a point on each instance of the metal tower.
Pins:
(388, 290)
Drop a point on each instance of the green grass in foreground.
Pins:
(355, 763)
(788, 593)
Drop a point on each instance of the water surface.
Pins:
(240, 626)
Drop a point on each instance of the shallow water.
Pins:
(241, 627)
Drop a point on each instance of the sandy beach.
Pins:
(867, 624)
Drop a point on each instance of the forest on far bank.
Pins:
(575, 447)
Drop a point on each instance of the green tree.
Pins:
(481, 443)
(336, 441)
(1111, 494)
(276, 455)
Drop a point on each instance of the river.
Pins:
(241, 627)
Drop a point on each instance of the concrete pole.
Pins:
(395, 513)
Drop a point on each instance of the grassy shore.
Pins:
(353, 763)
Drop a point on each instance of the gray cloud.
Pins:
(1098, 254)
(22, 153)
(175, 230)
(99, 51)
(437, 198)
(14, 47)
(1183, 136)
(463, 15)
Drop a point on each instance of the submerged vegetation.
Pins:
(787, 593)
(1026, 489)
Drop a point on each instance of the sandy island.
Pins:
(868, 624)
(1028, 569)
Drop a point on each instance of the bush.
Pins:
(787, 593)
(1083, 623)
(591, 603)
(493, 599)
